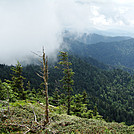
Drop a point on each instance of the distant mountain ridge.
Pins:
(96, 38)
(93, 38)
(117, 51)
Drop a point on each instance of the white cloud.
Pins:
(27, 25)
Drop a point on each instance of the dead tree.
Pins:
(44, 75)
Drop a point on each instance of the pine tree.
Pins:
(95, 111)
(28, 86)
(78, 108)
(56, 97)
(67, 78)
(17, 81)
(84, 96)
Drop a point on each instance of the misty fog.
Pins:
(28, 25)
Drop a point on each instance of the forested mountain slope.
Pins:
(112, 53)
(96, 38)
(111, 91)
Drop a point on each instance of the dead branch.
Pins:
(27, 131)
(34, 116)
(40, 75)
(36, 54)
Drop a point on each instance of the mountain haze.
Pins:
(93, 38)
(107, 51)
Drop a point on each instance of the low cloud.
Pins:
(28, 25)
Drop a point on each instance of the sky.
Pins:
(27, 25)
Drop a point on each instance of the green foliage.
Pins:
(72, 124)
(79, 107)
(21, 119)
(84, 97)
(7, 92)
(110, 90)
(56, 97)
(21, 115)
(17, 82)
(67, 71)
(67, 80)
(119, 53)
(3, 93)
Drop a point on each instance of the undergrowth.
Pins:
(29, 117)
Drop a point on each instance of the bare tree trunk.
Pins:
(47, 116)
(45, 77)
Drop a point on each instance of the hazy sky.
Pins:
(27, 25)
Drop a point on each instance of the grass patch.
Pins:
(21, 119)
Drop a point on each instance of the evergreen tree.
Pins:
(3, 91)
(31, 93)
(62, 99)
(56, 97)
(28, 86)
(84, 97)
(95, 111)
(79, 108)
(17, 83)
(6, 92)
(67, 78)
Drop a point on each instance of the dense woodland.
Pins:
(104, 93)
(109, 50)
